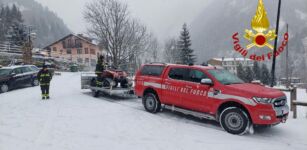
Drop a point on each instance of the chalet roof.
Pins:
(69, 35)
(232, 59)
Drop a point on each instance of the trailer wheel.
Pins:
(95, 93)
(106, 82)
(124, 83)
(234, 120)
(151, 103)
(115, 84)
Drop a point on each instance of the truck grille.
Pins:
(279, 102)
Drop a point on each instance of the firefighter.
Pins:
(44, 76)
(100, 67)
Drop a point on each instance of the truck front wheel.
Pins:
(151, 103)
(234, 120)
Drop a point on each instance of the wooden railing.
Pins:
(293, 99)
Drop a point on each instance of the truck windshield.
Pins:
(5, 72)
(225, 77)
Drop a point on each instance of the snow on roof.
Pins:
(232, 59)
(11, 67)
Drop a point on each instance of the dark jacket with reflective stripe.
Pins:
(44, 77)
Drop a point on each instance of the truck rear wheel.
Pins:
(234, 120)
(151, 103)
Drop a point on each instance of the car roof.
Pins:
(17, 66)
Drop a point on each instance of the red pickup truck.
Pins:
(210, 93)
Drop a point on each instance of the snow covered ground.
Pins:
(74, 120)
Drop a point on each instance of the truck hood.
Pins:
(255, 90)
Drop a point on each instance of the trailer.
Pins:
(88, 82)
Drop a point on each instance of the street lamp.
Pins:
(275, 45)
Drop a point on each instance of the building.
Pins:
(231, 64)
(75, 48)
(292, 81)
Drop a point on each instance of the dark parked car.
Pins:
(16, 76)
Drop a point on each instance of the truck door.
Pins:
(195, 95)
(173, 85)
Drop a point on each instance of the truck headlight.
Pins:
(263, 100)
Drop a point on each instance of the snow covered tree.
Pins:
(124, 38)
(256, 71)
(171, 54)
(9, 17)
(249, 76)
(241, 72)
(265, 75)
(184, 47)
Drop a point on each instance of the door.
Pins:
(17, 79)
(27, 75)
(174, 86)
(196, 97)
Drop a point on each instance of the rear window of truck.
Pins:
(152, 70)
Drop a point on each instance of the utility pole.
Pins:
(287, 61)
(275, 45)
(27, 50)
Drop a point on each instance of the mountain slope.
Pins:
(212, 30)
(47, 25)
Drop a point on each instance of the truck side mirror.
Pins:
(206, 82)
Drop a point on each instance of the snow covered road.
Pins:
(74, 120)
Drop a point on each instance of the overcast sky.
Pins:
(163, 17)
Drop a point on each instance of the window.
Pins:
(86, 50)
(5, 72)
(79, 51)
(78, 43)
(68, 51)
(64, 44)
(93, 51)
(80, 60)
(25, 69)
(54, 48)
(61, 51)
(87, 60)
(17, 71)
(178, 73)
(225, 77)
(93, 62)
(196, 76)
(152, 70)
(34, 68)
(69, 44)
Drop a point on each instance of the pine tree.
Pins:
(249, 74)
(9, 17)
(184, 44)
(265, 75)
(256, 71)
(241, 72)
